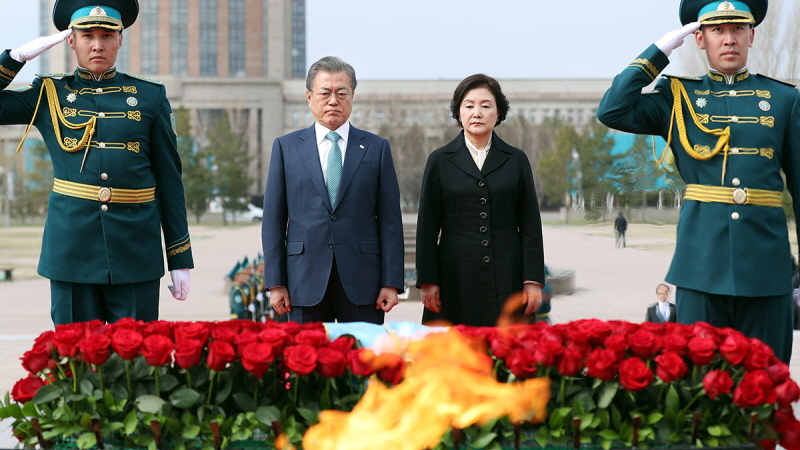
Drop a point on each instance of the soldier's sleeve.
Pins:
(625, 108)
(791, 164)
(166, 166)
(16, 105)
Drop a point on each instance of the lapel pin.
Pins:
(361, 146)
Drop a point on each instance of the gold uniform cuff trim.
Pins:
(103, 194)
(733, 196)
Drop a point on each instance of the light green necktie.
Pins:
(334, 167)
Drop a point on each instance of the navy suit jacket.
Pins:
(301, 233)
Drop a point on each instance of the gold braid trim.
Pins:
(723, 143)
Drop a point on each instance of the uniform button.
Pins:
(99, 90)
(486, 259)
(484, 215)
(735, 216)
(481, 184)
(483, 201)
(735, 150)
(483, 230)
(734, 119)
(733, 93)
(333, 216)
(485, 243)
(102, 145)
(103, 176)
(330, 244)
(735, 182)
(101, 115)
(104, 207)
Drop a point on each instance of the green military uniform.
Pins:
(730, 137)
(115, 189)
(257, 284)
(239, 294)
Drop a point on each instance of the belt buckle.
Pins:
(739, 196)
(104, 194)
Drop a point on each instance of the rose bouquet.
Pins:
(186, 383)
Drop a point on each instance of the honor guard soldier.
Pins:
(239, 293)
(731, 132)
(112, 141)
(257, 283)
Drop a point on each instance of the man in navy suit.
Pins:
(332, 231)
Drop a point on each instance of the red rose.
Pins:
(256, 358)
(735, 348)
(343, 343)
(653, 327)
(275, 337)
(702, 350)
(96, 350)
(26, 388)
(315, 338)
(634, 375)
(161, 327)
(244, 339)
(220, 353)
(225, 331)
(622, 327)
(678, 329)
(706, 330)
(754, 390)
(778, 372)
(717, 382)
(301, 359)
(360, 362)
(45, 339)
(126, 343)
(66, 339)
(128, 323)
(601, 364)
(191, 330)
(521, 363)
(390, 367)
(304, 326)
(571, 363)
(548, 352)
(671, 367)
(593, 331)
(644, 343)
(157, 350)
(36, 359)
(761, 356)
(789, 428)
(787, 393)
(330, 362)
(477, 338)
(188, 352)
(581, 347)
(674, 343)
(249, 326)
(502, 344)
(618, 344)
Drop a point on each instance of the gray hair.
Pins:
(330, 64)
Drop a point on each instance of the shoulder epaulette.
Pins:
(53, 75)
(683, 78)
(23, 88)
(144, 79)
(775, 79)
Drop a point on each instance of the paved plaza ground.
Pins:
(610, 284)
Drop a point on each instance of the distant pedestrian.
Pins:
(620, 225)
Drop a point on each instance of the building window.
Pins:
(570, 116)
(236, 39)
(208, 38)
(379, 118)
(149, 29)
(356, 118)
(532, 116)
(178, 34)
(298, 38)
(295, 118)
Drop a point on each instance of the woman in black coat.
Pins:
(479, 233)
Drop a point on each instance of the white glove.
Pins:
(36, 47)
(674, 39)
(180, 281)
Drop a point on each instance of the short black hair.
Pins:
(479, 80)
(662, 284)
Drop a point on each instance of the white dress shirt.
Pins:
(324, 144)
(478, 155)
(663, 308)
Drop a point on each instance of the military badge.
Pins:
(132, 101)
(71, 97)
(701, 102)
(174, 123)
(764, 105)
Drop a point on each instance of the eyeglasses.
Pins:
(326, 95)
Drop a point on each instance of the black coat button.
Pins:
(484, 230)
(484, 215)
(481, 184)
(330, 244)
(483, 201)
(333, 216)
(486, 259)
(485, 243)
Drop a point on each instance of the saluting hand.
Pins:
(36, 47)
(674, 39)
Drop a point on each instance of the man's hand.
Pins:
(387, 299)
(531, 296)
(279, 299)
(674, 39)
(180, 283)
(36, 47)
(430, 297)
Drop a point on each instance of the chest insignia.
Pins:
(701, 102)
(71, 97)
(132, 101)
(764, 105)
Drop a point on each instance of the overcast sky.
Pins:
(432, 39)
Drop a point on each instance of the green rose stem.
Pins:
(158, 385)
(210, 386)
(295, 388)
(562, 391)
(188, 379)
(128, 378)
(74, 375)
(100, 375)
